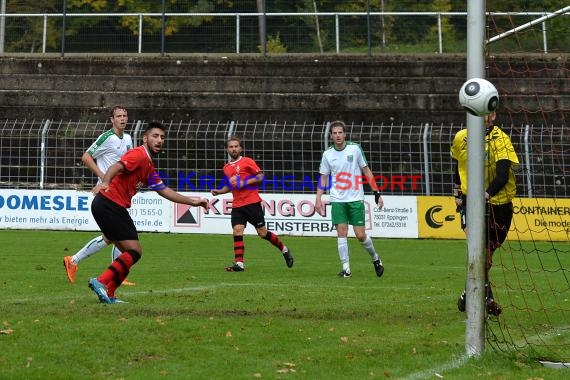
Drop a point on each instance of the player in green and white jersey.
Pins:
(344, 165)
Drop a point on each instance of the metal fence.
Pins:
(44, 154)
(296, 32)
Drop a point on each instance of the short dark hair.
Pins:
(154, 124)
(338, 123)
(233, 138)
(117, 107)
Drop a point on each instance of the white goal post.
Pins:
(475, 281)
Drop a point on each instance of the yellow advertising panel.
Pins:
(535, 219)
(437, 218)
(541, 219)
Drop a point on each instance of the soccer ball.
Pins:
(478, 97)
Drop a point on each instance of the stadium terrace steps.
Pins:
(231, 84)
(406, 89)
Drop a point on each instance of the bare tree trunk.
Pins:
(262, 26)
(320, 42)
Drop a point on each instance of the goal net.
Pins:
(531, 271)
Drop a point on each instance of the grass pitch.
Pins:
(187, 318)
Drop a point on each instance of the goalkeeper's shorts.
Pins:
(498, 222)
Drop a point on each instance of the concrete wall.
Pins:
(408, 89)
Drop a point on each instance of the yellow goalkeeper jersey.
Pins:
(498, 146)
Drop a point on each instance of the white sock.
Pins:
(368, 246)
(343, 253)
(92, 247)
(115, 252)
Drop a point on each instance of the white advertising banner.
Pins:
(294, 214)
(397, 219)
(285, 214)
(71, 210)
(151, 212)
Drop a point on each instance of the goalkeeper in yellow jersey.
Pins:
(500, 157)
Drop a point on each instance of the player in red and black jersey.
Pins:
(243, 176)
(112, 199)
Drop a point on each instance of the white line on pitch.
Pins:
(437, 371)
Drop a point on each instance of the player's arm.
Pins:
(175, 197)
(457, 193)
(223, 190)
(249, 182)
(321, 187)
(367, 172)
(228, 186)
(252, 181)
(111, 173)
(503, 169)
(90, 163)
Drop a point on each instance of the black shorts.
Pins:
(252, 213)
(113, 220)
(498, 224)
(498, 217)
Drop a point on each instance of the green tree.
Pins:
(25, 34)
(529, 40)
(152, 25)
(381, 26)
(447, 28)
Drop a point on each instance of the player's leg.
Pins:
(356, 219)
(116, 252)
(339, 218)
(498, 225)
(117, 272)
(492, 306)
(239, 221)
(257, 219)
(368, 245)
(463, 223)
(271, 237)
(92, 247)
(264, 233)
(118, 227)
(491, 243)
(239, 248)
(343, 249)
